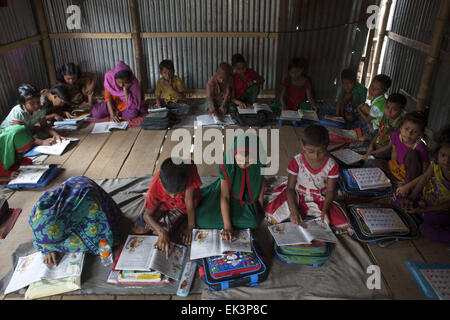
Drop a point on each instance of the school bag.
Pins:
(259, 119)
(362, 234)
(234, 269)
(315, 254)
(43, 182)
(349, 186)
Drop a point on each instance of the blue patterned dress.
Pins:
(74, 217)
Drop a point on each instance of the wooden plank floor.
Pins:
(136, 152)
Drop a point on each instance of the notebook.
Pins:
(310, 115)
(106, 127)
(56, 149)
(295, 115)
(439, 280)
(30, 174)
(347, 156)
(382, 220)
(211, 121)
(370, 178)
(334, 118)
(255, 108)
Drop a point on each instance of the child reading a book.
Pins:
(31, 114)
(429, 195)
(373, 113)
(170, 89)
(219, 91)
(296, 90)
(174, 193)
(247, 83)
(81, 84)
(235, 200)
(380, 146)
(352, 94)
(75, 217)
(15, 141)
(311, 185)
(123, 96)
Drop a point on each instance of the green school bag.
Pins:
(315, 254)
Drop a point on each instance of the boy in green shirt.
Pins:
(373, 113)
(352, 94)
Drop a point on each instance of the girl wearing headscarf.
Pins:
(74, 217)
(239, 191)
(15, 141)
(122, 95)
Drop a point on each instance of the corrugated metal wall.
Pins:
(327, 50)
(21, 65)
(415, 19)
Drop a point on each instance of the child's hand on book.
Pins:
(51, 259)
(186, 235)
(14, 175)
(325, 216)
(163, 243)
(297, 219)
(228, 235)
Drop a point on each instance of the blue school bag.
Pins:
(43, 182)
(349, 186)
(233, 270)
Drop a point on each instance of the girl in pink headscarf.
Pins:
(122, 95)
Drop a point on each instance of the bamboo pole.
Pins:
(381, 36)
(433, 57)
(367, 56)
(136, 35)
(46, 44)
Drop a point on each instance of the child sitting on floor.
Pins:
(247, 83)
(311, 185)
(173, 193)
(31, 114)
(170, 89)
(430, 195)
(296, 90)
(373, 113)
(350, 97)
(409, 158)
(219, 91)
(380, 146)
(57, 102)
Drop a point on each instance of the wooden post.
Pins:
(432, 59)
(281, 43)
(381, 35)
(136, 36)
(367, 57)
(46, 44)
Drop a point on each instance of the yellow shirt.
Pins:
(167, 93)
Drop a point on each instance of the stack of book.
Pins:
(68, 124)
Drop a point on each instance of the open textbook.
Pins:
(56, 149)
(30, 174)
(310, 115)
(295, 115)
(254, 108)
(105, 127)
(347, 156)
(139, 254)
(31, 269)
(289, 233)
(207, 120)
(209, 243)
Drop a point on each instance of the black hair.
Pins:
(27, 92)
(316, 136)
(237, 58)
(384, 79)
(68, 68)
(174, 175)
(226, 67)
(167, 64)
(62, 91)
(297, 63)
(398, 98)
(443, 139)
(125, 75)
(416, 117)
(348, 74)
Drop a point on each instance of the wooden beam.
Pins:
(136, 35)
(84, 35)
(18, 44)
(46, 44)
(414, 44)
(282, 18)
(381, 35)
(433, 57)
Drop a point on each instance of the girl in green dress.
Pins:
(235, 200)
